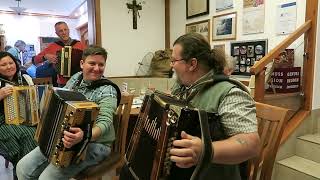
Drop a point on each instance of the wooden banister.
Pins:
(258, 67)
(259, 86)
(294, 122)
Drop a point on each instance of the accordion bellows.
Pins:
(64, 64)
(21, 107)
(65, 109)
(160, 122)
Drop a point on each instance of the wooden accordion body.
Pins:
(65, 109)
(160, 122)
(22, 106)
(63, 65)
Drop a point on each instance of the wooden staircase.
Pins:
(300, 155)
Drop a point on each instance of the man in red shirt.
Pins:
(50, 53)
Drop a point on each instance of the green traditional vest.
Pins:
(206, 95)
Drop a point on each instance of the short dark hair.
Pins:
(60, 22)
(194, 45)
(7, 47)
(94, 50)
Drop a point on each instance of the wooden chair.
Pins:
(42, 81)
(116, 158)
(271, 124)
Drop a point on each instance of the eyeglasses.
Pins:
(175, 60)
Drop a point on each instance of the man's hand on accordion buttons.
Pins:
(186, 152)
(5, 91)
(72, 137)
(51, 58)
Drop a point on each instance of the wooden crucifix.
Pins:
(135, 11)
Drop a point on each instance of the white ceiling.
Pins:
(52, 7)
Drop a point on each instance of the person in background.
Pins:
(15, 140)
(32, 69)
(51, 53)
(7, 47)
(16, 51)
(230, 65)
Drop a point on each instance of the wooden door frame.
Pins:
(94, 22)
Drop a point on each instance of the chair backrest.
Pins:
(120, 123)
(271, 124)
(42, 81)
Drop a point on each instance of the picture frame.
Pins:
(246, 53)
(221, 47)
(201, 27)
(222, 5)
(195, 8)
(44, 41)
(224, 27)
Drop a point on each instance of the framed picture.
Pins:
(201, 27)
(285, 59)
(246, 53)
(221, 47)
(223, 5)
(196, 8)
(44, 41)
(224, 27)
(253, 17)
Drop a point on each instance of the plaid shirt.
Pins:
(106, 98)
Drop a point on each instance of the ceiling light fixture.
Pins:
(18, 10)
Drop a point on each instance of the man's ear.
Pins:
(193, 64)
(81, 63)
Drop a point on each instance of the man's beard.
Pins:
(176, 78)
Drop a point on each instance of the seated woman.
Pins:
(15, 140)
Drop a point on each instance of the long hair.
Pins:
(194, 45)
(15, 77)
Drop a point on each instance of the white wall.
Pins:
(316, 81)
(30, 28)
(126, 46)
(178, 22)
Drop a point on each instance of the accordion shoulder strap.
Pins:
(220, 77)
(60, 43)
(102, 82)
(207, 150)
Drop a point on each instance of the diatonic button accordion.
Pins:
(64, 109)
(161, 120)
(22, 106)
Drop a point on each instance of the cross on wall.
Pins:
(135, 11)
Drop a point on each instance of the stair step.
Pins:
(296, 167)
(308, 147)
(313, 138)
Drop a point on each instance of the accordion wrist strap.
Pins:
(85, 142)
